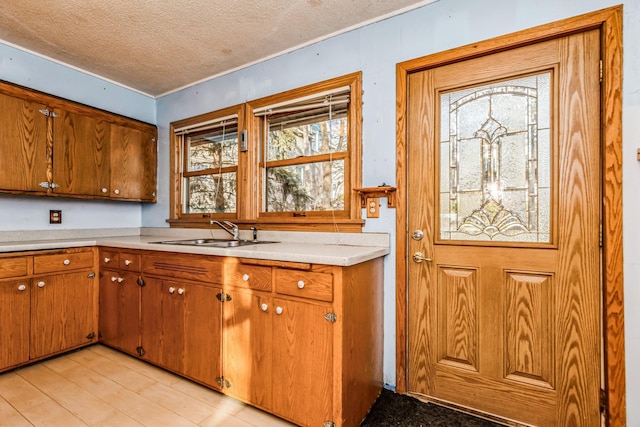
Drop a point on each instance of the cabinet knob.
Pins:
(245, 277)
(41, 284)
(180, 291)
(300, 284)
(278, 310)
(127, 261)
(114, 278)
(264, 306)
(104, 189)
(116, 191)
(120, 279)
(66, 262)
(172, 290)
(107, 260)
(22, 287)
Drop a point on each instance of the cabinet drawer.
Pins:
(108, 259)
(14, 267)
(62, 262)
(305, 284)
(189, 267)
(129, 261)
(248, 276)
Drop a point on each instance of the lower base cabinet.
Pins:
(301, 341)
(181, 328)
(48, 304)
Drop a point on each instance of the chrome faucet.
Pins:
(229, 227)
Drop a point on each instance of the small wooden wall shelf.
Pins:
(376, 192)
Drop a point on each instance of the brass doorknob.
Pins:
(419, 257)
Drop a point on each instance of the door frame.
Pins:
(609, 21)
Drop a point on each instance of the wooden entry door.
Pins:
(503, 220)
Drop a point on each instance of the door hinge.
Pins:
(331, 317)
(140, 351)
(601, 71)
(223, 382)
(49, 113)
(91, 335)
(329, 424)
(91, 275)
(140, 281)
(603, 401)
(222, 297)
(45, 184)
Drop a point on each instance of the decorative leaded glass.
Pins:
(495, 161)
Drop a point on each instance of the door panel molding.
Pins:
(609, 22)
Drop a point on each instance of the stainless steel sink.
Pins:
(216, 243)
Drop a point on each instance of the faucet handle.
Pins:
(255, 233)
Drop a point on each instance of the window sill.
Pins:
(281, 224)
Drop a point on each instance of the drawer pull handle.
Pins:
(180, 291)
(107, 260)
(300, 284)
(245, 277)
(104, 189)
(120, 279)
(114, 278)
(66, 262)
(172, 290)
(127, 261)
(22, 288)
(264, 307)
(278, 310)
(116, 191)
(41, 284)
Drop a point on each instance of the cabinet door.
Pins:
(62, 312)
(80, 154)
(23, 145)
(119, 310)
(133, 163)
(14, 323)
(182, 328)
(302, 362)
(247, 347)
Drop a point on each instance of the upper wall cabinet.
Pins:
(51, 146)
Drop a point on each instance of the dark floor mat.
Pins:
(392, 409)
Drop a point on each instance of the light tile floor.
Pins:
(98, 386)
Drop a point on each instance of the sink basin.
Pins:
(216, 243)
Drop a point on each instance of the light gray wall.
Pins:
(32, 213)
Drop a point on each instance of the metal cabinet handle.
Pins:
(264, 307)
(120, 279)
(22, 287)
(127, 261)
(278, 310)
(300, 284)
(104, 189)
(116, 191)
(66, 262)
(114, 278)
(245, 277)
(180, 291)
(41, 284)
(172, 290)
(107, 260)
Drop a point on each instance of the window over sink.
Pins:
(286, 161)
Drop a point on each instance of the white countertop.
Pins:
(341, 249)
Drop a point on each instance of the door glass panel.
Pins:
(495, 161)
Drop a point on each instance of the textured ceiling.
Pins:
(156, 46)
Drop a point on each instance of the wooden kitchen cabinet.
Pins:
(57, 147)
(49, 304)
(14, 322)
(119, 310)
(23, 145)
(248, 341)
(181, 328)
(302, 362)
(61, 313)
